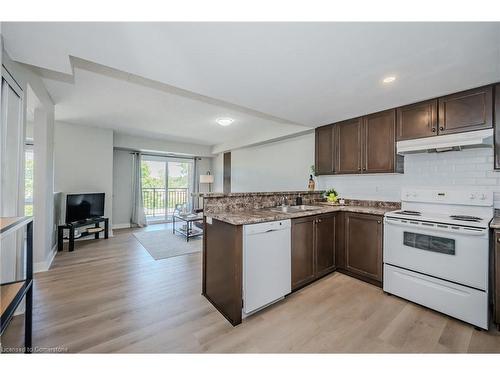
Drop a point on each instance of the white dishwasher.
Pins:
(267, 268)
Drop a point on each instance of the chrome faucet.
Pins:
(284, 200)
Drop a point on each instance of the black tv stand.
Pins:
(72, 226)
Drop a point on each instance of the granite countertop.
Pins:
(263, 215)
(495, 223)
(254, 194)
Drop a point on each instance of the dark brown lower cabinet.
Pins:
(223, 268)
(324, 237)
(363, 246)
(302, 251)
(496, 279)
(313, 248)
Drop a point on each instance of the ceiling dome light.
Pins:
(224, 121)
(389, 79)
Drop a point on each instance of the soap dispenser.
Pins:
(311, 186)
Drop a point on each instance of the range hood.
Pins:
(448, 142)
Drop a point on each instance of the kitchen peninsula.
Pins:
(321, 238)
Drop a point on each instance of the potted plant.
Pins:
(331, 195)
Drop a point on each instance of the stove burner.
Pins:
(465, 218)
(406, 212)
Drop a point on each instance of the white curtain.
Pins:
(138, 217)
(194, 185)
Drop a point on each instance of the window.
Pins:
(430, 243)
(166, 185)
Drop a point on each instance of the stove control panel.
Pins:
(448, 196)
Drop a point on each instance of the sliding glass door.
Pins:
(166, 186)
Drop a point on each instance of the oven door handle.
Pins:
(434, 227)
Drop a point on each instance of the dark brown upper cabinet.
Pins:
(363, 245)
(348, 145)
(497, 126)
(368, 144)
(466, 111)
(417, 120)
(379, 143)
(325, 155)
(313, 248)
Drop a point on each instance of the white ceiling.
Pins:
(306, 73)
(99, 96)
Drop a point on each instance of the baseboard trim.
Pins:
(121, 226)
(45, 265)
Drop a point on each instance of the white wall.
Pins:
(122, 188)
(43, 224)
(43, 188)
(159, 145)
(276, 166)
(468, 168)
(83, 158)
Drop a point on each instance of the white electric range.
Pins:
(436, 251)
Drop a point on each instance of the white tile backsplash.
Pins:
(460, 169)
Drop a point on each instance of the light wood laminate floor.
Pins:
(112, 296)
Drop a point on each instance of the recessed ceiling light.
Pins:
(224, 121)
(389, 79)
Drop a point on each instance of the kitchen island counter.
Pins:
(265, 214)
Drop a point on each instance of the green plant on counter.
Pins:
(331, 195)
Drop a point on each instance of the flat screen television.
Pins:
(80, 207)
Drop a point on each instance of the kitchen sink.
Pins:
(294, 209)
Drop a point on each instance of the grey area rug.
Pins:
(162, 244)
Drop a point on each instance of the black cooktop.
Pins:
(408, 212)
(465, 218)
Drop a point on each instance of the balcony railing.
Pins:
(160, 202)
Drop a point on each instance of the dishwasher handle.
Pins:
(267, 227)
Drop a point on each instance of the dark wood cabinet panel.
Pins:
(363, 245)
(348, 145)
(302, 251)
(313, 248)
(339, 241)
(497, 126)
(368, 144)
(222, 268)
(496, 279)
(325, 158)
(324, 244)
(226, 182)
(465, 111)
(417, 120)
(379, 144)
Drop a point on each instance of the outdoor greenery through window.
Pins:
(165, 185)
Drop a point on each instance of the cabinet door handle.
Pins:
(441, 128)
(379, 222)
(433, 130)
(498, 239)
